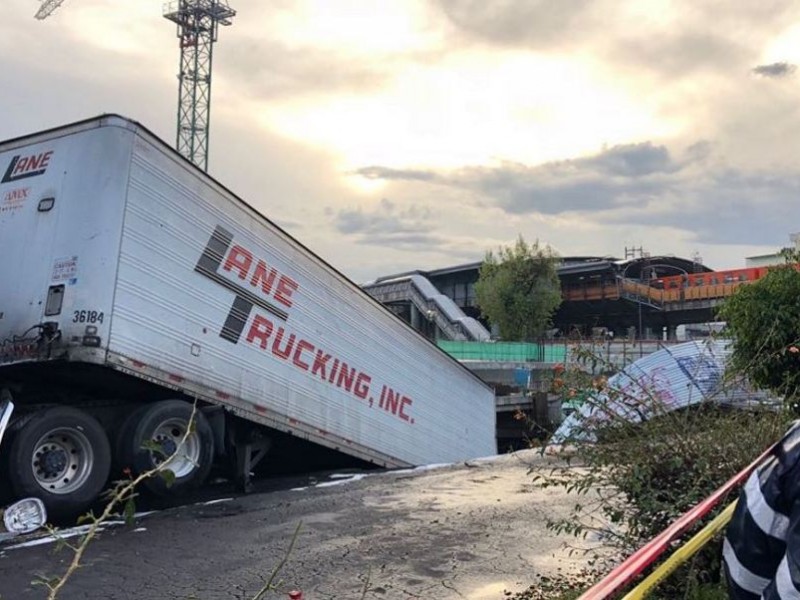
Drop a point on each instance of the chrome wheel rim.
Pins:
(62, 460)
(176, 454)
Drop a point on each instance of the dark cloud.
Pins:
(643, 185)
(376, 172)
(405, 241)
(387, 224)
(727, 206)
(680, 53)
(631, 160)
(617, 176)
(776, 70)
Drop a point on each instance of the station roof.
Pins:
(577, 266)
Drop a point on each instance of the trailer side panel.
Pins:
(216, 296)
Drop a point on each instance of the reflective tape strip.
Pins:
(682, 554)
(741, 575)
(6, 408)
(768, 520)
(783, 582)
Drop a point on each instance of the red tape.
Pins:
(647, 554)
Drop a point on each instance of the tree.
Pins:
(518, 289)
(763, 320)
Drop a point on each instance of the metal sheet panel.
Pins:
(61, 203)
(671, 378)
(211, 292)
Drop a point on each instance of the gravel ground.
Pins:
(473, 530)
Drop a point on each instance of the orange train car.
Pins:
(674, 288)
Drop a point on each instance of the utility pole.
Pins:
(198, 22)
(630, 253)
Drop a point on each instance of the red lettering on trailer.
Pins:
(16, 195)
(406, 401)
(286, 286)
(14, 199)
(395, 403)
(21, 167)
(276, 344)
(320, 361)
(392, 401)
(346, 376)
(298, 351)
(335, 368)
(264, 278)
(298, 354)
(240, 260)
(362, 386)
(261, 329)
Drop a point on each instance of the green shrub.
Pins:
(638, 478)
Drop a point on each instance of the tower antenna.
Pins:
(198, 22)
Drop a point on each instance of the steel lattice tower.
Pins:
(198, 22)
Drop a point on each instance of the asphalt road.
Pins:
(463, 531)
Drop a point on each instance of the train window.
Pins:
(714, 281)
(673, 284)
(698, 281)
(728, 278)
(743, 277)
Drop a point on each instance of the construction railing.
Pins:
(636, 563)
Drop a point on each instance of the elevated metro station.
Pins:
(641, 298)
(620, 310)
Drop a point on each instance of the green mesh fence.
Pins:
(505, 351)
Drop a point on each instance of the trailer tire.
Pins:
(60, 455)
(165, 423)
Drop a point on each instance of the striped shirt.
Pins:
(761, 551)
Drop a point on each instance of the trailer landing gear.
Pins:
(250, 449)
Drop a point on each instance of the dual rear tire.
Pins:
(62, 455)
(156, 432)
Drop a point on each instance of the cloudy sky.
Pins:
(391, 135)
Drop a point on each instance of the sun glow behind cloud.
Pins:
(784, 48)
(516, 91)
(114, 28)
(473, 108)
(364, 26)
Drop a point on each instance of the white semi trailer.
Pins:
(133, 285)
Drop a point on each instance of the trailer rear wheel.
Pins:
(62, 456)
(165, 424)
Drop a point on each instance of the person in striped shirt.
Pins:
(761, 551)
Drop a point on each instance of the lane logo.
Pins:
(261, 285)
(22, 167)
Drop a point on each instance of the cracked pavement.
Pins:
(470, 530)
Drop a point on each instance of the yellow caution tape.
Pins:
(681, 555)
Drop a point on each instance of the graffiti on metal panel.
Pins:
(703, 371)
